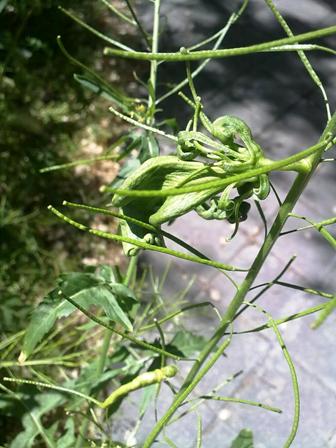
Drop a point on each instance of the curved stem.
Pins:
(143, 245)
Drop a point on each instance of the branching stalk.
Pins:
(196, 373)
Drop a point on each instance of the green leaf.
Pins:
(86, 289)
(44, 402)
(149, 147)
(68, 440)
(105, 91)
(244, 439)
(187, 343)
(128, 167)
(43, 319)
(125, 295)
(105, 272)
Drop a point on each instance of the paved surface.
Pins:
(275, 96)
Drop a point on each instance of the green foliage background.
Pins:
(42, 113)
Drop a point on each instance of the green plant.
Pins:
(154, 189)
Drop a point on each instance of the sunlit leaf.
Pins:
(87, 289)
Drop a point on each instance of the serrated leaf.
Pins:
(244, 439)
(31, 422)
(86, 289)
(43, 319)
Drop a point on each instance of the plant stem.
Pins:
(194, 377)
(274, 45)
(195, 374)
(138, 23)
(154, 64)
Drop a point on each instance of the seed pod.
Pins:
(143, 380)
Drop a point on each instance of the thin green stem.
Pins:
(267, 286)
(283, 320)
(319, 226)
(312, 291)
(325, 222)
(291, 366)
(131, 270)
(267, 166)
(39, 362)
(184, 55)
(242, 401)
(142, 125)
(94, 31)
(186, 389)
(312, 73)
(52, 386)
(104, 352)
(154, 64)
(10, 339)
(118, 13)
(174, 314)
(124, 335)
(200, 400)
(137, 21)
(222, 33)
(262, 216)
(144, 245)
(148, 226)
(328, 309)
(75, 163)
(233, 18)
